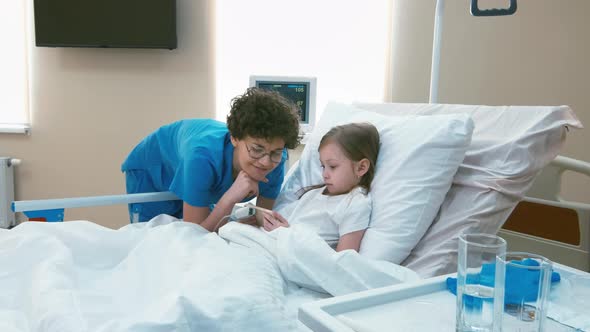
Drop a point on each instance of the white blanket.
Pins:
(169, 276)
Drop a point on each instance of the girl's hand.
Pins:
(243, 186)
(273, 220)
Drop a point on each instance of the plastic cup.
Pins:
(475, 281)
(520, 300)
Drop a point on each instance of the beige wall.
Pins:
(539, 56)
(91, 106)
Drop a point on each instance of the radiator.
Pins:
(7, 164)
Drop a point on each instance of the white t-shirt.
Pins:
(333, 216)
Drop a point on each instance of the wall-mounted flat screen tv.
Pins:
(106, 23)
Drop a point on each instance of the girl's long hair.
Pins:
(358, 141)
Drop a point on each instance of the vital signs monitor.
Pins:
(300, 90)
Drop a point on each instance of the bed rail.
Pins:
(53, 209)
(547, 184)
(546, 223)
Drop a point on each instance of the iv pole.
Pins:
(438, 26)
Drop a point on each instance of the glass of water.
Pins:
(476, 281)
(520, 300)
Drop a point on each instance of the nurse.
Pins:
(211, 165)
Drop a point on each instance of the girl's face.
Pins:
(257, 156)
(340, 173)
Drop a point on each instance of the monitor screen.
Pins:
(300, 90)
(106, 23)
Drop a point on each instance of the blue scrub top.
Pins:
(194, 159)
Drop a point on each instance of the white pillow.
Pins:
(509, 146)
(417, 160)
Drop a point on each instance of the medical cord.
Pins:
(220, 221)
(237, 214)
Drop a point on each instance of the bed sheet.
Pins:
(166, 275)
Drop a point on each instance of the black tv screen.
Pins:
(106, 23)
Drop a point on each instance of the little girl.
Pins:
(339, 209)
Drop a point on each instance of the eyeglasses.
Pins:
(256, 152)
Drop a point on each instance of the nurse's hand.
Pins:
(243, 186)
(273, 220)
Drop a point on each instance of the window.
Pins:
(14, 110)
(343, 43)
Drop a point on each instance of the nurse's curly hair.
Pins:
(261, 113)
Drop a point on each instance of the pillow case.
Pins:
(509, 146)
(417, 160)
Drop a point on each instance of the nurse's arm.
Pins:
(209, 221)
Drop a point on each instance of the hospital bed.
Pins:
(443, 170)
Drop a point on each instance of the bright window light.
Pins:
(343, 43)
(13, 81)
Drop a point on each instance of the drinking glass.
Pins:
(520, 300)
(475, 281)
